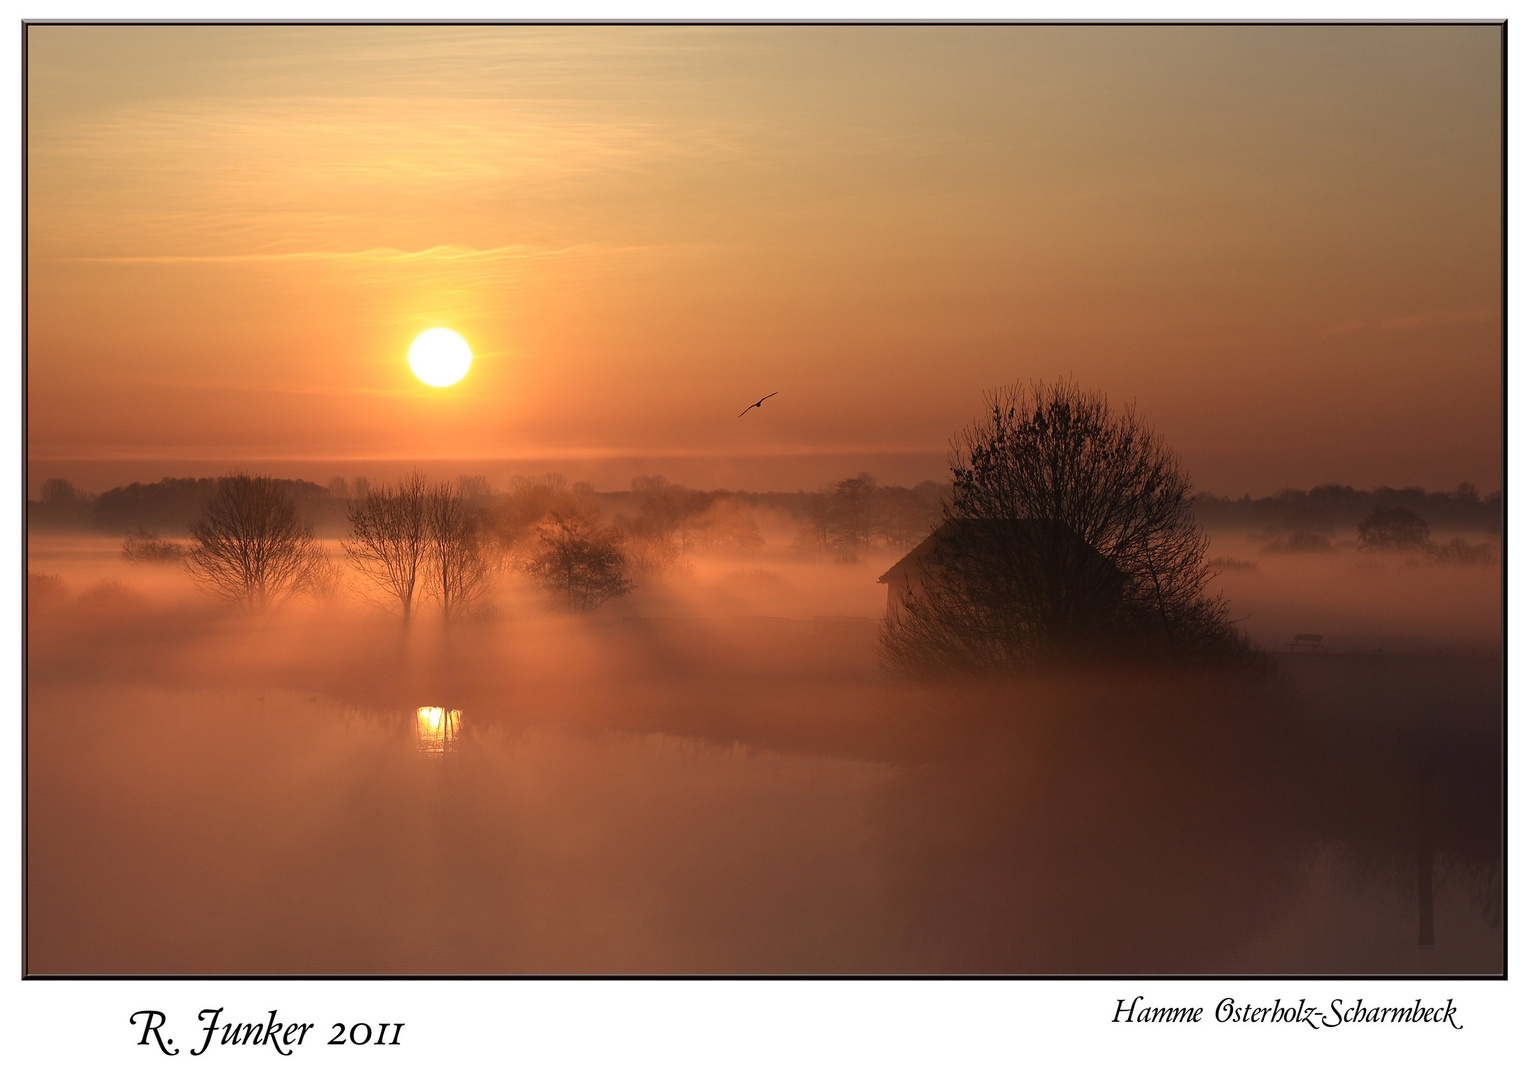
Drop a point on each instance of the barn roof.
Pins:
(920, 556)
(915, 557)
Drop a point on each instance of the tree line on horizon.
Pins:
(412, 541)
(662, 523)
(254, 539)
(1064, 524)
(854, 513)
(1329, 507)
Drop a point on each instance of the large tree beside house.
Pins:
(1068, 532)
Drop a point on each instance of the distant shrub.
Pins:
(1459, 552)
(653, 556)
(1300, 543)
(144, 546)
(1307, 541)
(111, 595)
(580, 561)
(44, 589)
(1393, 528)
(753, 581)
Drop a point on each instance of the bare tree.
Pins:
(725, 526)
(143, 546)
(853, 516)
(456, 572)
(474, 488)
(905, 515)
(1068, 529)
(528, 501)
(56, 491)
(667, 511)
(816, 533)
(579, 561)
(389, 537)
(250, 545)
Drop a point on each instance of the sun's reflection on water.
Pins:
(439, 729)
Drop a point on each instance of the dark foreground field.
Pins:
(212, 793)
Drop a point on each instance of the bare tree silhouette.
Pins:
(389, 537)
(854, 515)
(474, 488)
(1068, 530)
(250, 545)
(456, 572)
(56, 491)
(529, 500)
(144, 546)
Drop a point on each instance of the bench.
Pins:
(1306, 641)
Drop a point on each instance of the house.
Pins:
(1037, 570)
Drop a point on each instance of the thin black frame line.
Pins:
(767, 22)
(1505, 315)
(25, 502)
(772, 977)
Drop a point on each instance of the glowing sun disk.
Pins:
(440, 357)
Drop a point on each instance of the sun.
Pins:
(440, 357)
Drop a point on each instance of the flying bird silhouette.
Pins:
(756, 404)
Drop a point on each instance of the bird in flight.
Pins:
(756, 404)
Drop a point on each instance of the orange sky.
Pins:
(1283, 244)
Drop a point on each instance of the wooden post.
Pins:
(1426, 933)
(1426, 936)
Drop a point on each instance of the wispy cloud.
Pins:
(243, 387)
(442, 253)
(1415, 322)
(1439, 318)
